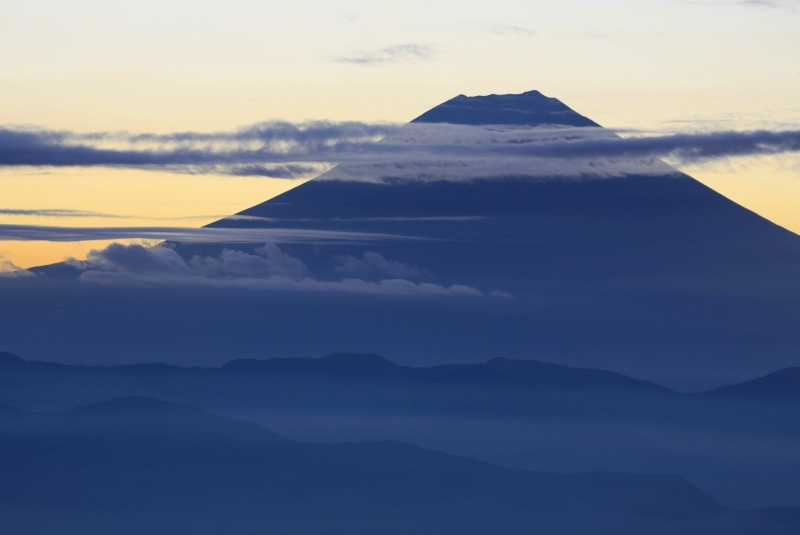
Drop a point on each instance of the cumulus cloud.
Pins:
(135, 259)
(268, 269)
(10, 269)
(391, 54)
(268, 261)
(372, 264)
(190, 235)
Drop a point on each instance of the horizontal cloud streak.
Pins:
(510, 29)
(188, 235)
(272, 171)
(390, 54)
(276, 131)
(388, 287)
(286, 150)
(58, 213)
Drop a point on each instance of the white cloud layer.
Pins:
(268, 269)
(373, 264)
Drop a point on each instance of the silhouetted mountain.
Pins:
(598, 262)
(375, 380)
(338, 365)
(8, 360)
(530, 109)
(75, 483)
(515, 413)
(782, 386)
(547, 376)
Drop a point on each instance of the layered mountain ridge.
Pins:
(211, 480)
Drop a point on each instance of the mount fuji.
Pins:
(512, 337)
(612, 263)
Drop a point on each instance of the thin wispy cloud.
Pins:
(189, 235)
(58, 213)
(770, 4)
(289, 171)
(510, 29)
(761, 4)
(62, 213)
(404, 53)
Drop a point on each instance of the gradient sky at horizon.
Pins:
(175, 65)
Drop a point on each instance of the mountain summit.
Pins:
(530, 109)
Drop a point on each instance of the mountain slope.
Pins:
(782, 386)
(681, 268)
(594, 262)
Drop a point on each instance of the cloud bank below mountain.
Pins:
(268, 268)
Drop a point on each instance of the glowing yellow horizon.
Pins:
(88, 66)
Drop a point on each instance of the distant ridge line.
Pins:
(786, 380)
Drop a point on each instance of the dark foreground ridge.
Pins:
(209, 478)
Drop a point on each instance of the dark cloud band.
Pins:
(57, 212)
(284, 150)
